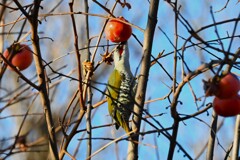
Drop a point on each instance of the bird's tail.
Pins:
(126, 127)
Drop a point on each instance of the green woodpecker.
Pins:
(120, 88)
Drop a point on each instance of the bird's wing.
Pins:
(113, 87)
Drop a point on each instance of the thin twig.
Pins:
(104, 147)
(174, 112)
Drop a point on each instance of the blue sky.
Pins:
(193, 134)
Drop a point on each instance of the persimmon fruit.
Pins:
(19, 55)
(117, 31)
(228, 86)
(227, 107)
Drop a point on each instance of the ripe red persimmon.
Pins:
(227, 107)
(22, 56)
(117, 31)
(228, 86)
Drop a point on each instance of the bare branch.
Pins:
(142, 84)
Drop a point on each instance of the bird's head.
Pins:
(121, 56)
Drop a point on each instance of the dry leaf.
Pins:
(107, 58)
(88, 65)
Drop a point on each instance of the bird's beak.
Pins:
(123, 43)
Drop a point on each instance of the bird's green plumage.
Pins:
(113, 89)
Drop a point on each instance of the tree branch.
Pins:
(42, 81)
(236, 140)
(144, 73)
(211, 140)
